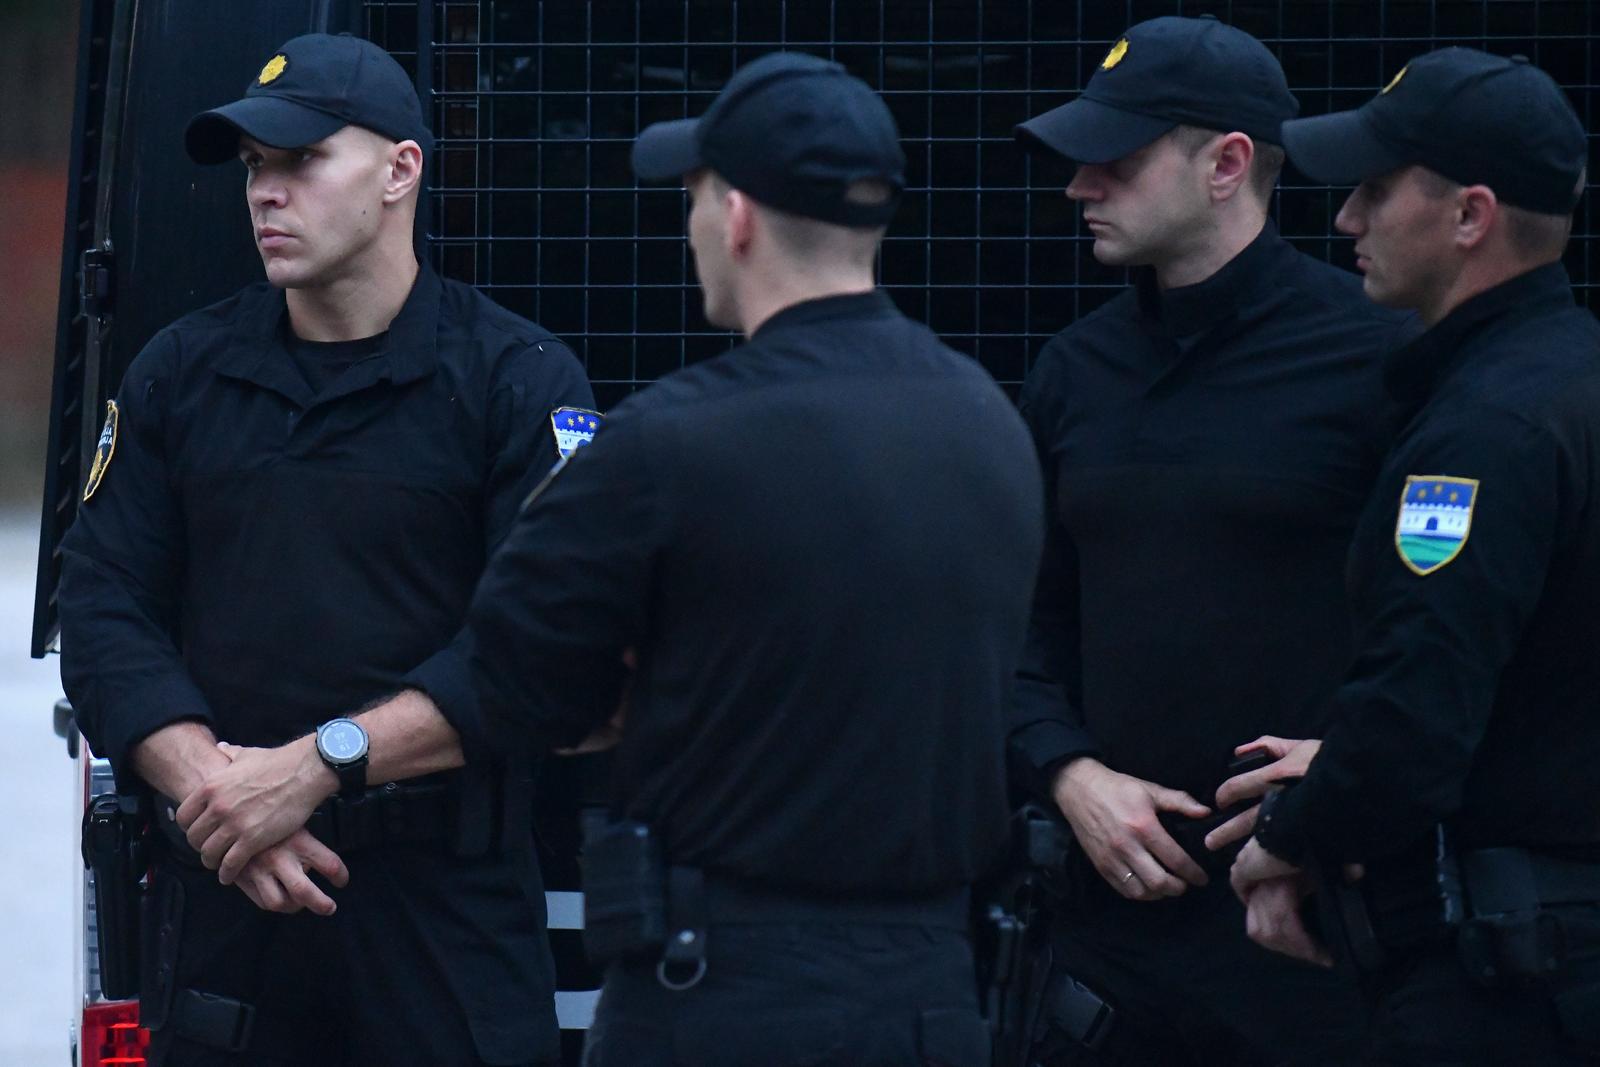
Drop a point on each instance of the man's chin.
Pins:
(1380, 294)
(1114, 255)
(284, 275)
(719, 316)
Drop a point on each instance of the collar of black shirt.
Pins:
(1192, 309)
(1413, 372)
(257, 352)
(848, 306)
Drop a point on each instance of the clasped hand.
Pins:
(247, 821)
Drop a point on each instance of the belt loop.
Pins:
(686, 930)
(516, 809)
(395, 815)
(218, 1022)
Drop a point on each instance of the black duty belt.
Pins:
(1514, 879)
(393, 813)
(390, 814)
(1496, 904)
(730, 903)
(697, 903)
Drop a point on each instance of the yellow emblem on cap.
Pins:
(274, 67)
(1396, 79)
(1114, 56)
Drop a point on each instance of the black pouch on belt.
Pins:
(624, 890)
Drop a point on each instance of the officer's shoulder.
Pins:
(204, 332)
(226, 314)
(1540, 369)
(468, 309)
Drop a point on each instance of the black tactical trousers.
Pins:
(429, 958)
(1427, 1010)
(1191, 990)
(783, 995)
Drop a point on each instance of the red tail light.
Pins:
(111, 1035)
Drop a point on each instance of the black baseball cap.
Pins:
(1472, 117)
(311, 88)
(791, 130)
(1163, 73)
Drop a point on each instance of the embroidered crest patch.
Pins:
(1114, 56)
(574, 428)
(1435, 519)
(102, 451)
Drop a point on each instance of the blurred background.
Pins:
(38, 51)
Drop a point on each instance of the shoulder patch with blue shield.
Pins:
(1435, 519)
(574, 428)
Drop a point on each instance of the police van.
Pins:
(534, 104)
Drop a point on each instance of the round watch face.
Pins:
(342, 741)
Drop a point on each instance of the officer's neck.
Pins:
(762, 295)
(1492, 264)
(356, 304)
(1232, 227)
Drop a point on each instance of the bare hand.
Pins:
(1291, 758)
(1272, 891)
(1114, 817)
(259, 799)
(275, 880)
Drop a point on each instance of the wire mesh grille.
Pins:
(536, 105)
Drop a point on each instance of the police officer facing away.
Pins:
(820, 544)
(294, 496)
(1208, 438)
(1475, 576)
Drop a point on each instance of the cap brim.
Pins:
(1338, 149)
(1087, 131)
(213, 136)
(667, 150)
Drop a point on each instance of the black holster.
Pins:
(114, 851)
(1033, 1008)
(624, 890)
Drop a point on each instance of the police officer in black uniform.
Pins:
(294, 495)
(1458, 769)
(1208, 438)
(820, 546)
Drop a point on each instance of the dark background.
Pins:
(536, 106)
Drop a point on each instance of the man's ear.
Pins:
(405, 171)
(1477, 209)
(742, 222)
(1230, 168)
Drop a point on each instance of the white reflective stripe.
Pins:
(564, 910)
(575, 1008)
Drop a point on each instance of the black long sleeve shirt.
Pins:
(821, 545)
(261, 557)
(1475, 578)
(1206, 450)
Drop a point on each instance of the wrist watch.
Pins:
(342, 744)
